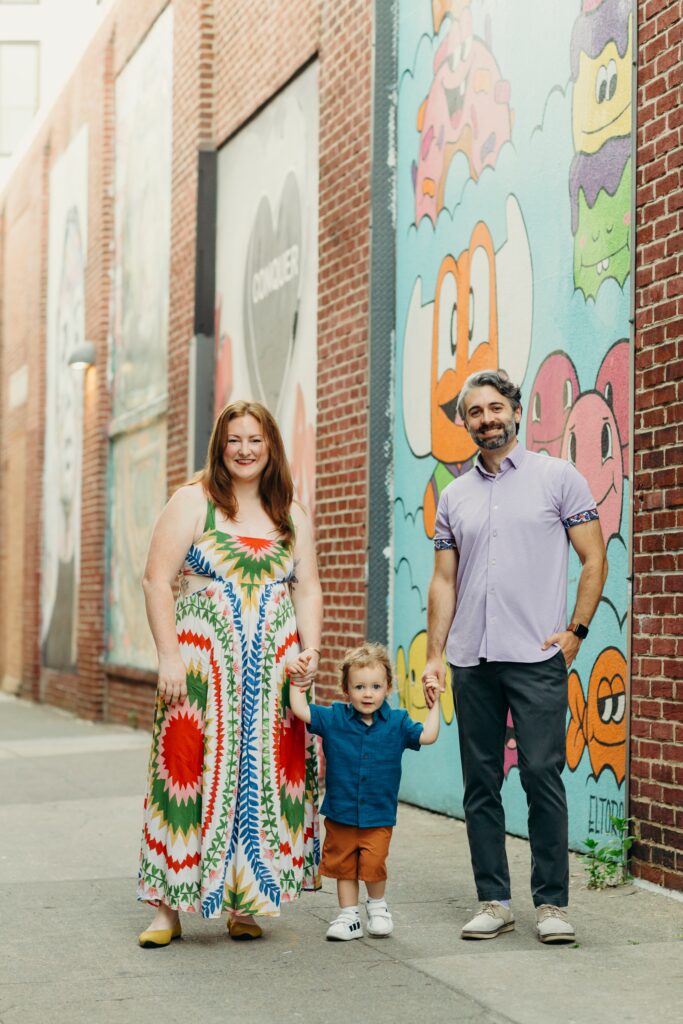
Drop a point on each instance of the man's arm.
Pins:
(441, 604)
(587, 541)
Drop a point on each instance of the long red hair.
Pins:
(276, 489)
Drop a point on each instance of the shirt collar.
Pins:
(514, 459)
(384, 711)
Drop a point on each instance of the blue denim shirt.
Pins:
(363, 761)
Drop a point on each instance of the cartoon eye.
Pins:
(605, 705)
(466, 47)
(567, 394)
(611, 79)
(601, 84)
(619, 708)
(479, 312)
(571, 448)
(448, 323)
(609, 395)
(536, 408)
(606, 442)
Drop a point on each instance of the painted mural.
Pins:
(138, 356)
(62, 475)
(267, 269)
(513, 249)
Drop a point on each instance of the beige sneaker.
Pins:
(553, 925)
(492, 919)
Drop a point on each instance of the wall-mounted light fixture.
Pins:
(83, 356)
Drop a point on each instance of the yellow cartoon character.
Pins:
(410, 682)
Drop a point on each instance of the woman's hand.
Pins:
(172, 684)
(303, 668)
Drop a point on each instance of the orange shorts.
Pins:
(352, 853)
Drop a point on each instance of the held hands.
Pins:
(303, 668)
(567, 642)
(433, 680)
(432, 689)
(172, 684)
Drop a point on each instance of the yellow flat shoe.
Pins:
(161, 937)
(243, 931)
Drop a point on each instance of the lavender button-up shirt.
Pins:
(510, 533)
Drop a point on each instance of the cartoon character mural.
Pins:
(477, 319)
(67, 248)
(467, 109)
(409, 669)
(499, 263)
(600, 173)
(598, 720)
(267, 269)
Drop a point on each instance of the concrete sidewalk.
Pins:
(70, 814)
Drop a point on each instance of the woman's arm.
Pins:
(307, 597)
(174, 533)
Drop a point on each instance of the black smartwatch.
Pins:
(578, 629)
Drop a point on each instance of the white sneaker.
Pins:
(553, 925)
(493, 919)
(380, 921)
(344, 927)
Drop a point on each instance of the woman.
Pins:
(231, 808)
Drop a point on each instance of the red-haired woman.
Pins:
(230, 817)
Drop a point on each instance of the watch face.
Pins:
(580, 630)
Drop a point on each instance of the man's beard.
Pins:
(492, 443)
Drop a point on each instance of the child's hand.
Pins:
(432, 689)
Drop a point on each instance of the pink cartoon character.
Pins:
(467, 110)
(613, 382)
(591, 443)
(553, 394)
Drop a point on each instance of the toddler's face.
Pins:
(368, 688)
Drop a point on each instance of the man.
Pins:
(497, 602)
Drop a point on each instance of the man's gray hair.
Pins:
(497, 379)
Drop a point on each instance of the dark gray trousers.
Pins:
(536, 694)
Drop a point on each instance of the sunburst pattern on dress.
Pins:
(230, 817)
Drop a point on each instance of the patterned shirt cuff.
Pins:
(581, 517)
(444, 545)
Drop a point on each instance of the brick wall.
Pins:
(656, 782)
(230, 58)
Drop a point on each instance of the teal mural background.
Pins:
(513, 213)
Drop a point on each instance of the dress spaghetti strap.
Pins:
(210, 521)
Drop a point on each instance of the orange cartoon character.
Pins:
(598, 721)
(480, 319)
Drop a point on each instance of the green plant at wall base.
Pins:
(606, 862)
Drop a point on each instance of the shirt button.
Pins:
(493, 561)
(365, 757)
(495, 508)
(495, 533)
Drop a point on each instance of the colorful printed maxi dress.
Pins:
(230, 819)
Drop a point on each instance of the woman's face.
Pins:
(246, 453)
